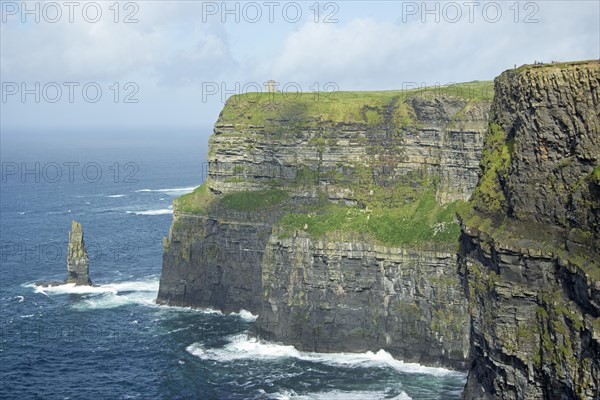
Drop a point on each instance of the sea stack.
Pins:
(77, 258)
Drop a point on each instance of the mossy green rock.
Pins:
(340, 148)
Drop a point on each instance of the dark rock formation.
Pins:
(530, 249)
(329, 295)
(210, 261)
(525, 292)
(77, 258)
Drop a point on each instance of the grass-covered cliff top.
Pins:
(413, 218)
(560, 65)
(200, 201)
(371, 107)
(419, 221)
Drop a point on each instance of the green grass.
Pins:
(254, 200)
(368, 107)
(195, 202)
(198, 201)
(305, 176)
(561, 65)
(495, 160)
(419, 221)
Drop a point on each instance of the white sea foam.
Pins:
(189, 309)
(109, 295)
(20, 298)
(339, 394)
(180, 329)
(170, 191)
(243, 347)
(162, 211)
(115, 196)
(246, 315)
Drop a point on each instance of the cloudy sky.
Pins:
(169, 65)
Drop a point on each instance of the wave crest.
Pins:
(241, 346)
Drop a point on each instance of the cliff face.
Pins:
(376, 142)
(530, 247)
(214, 262)
(333, 220)
(322, 295)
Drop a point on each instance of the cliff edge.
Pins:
(530, 245)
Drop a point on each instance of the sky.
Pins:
(128, 68)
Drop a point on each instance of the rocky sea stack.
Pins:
(77, 258)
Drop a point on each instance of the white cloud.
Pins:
(171, 51)
(167, 34)
(365, 53)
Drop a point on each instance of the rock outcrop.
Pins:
(530, 248)
(433, 134)
(77, 258)
(236, 242)
(214, 261)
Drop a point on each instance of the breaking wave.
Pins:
(104, 296)
(242, 346)
(161, 211)
(171, 191)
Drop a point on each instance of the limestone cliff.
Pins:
(333, 219)
(342, 146)
(530, 248)
(214, 261)
(327, 295)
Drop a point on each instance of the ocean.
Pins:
(111, 341)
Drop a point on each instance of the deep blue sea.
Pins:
(111, 341)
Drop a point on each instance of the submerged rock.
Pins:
(77, 258)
